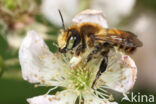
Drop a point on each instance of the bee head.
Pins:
(68, 39)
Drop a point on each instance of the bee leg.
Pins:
(102, 68)
(81, 48)
(97, 49)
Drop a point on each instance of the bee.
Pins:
(83, 36)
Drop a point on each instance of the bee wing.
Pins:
(119, 37)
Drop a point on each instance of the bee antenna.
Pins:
(63, 26)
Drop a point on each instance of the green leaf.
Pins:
(1, 66)
(3, 46)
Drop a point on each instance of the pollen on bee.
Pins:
(110, 32)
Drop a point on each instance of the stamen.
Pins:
(102, 93)
(51, 89)
(55, 44)
(80, 99)
(103, 90)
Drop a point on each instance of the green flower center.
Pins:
(81, 78)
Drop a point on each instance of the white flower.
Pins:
(68, 8)
(39, 65)
(89, 16)
(114, 10)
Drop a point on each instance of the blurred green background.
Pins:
(19, 16)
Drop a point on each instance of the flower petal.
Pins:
(92, 99)
(64, 97)
(37, 62)
(43, 99)
(94, 16)
(121, 73)
(50, 10)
